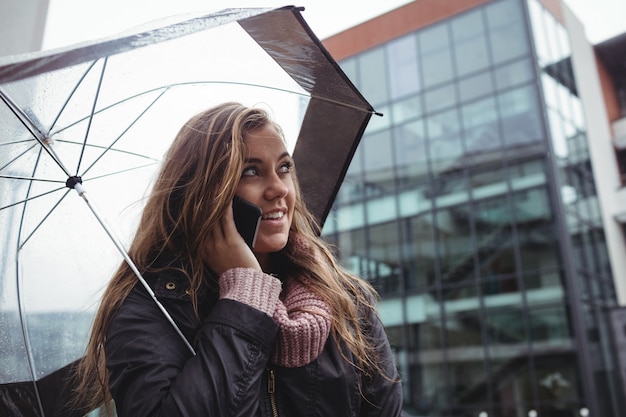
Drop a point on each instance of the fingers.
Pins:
(226, 248)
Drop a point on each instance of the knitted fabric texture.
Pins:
(251, 287)
(304, 321)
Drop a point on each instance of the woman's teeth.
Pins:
(273, 215)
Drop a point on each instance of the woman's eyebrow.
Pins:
(259, 160)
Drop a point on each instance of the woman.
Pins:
(279, 330)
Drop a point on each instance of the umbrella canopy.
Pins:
(104, 113)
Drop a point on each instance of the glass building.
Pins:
(471, 207)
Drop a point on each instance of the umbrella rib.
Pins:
(43, 219)
(108, 148)
(32, 128)
(171, 86)
(15, 142)
(120, 247)
(93, 109)
(27, 345)
(120, 172)
(20, 177)
(20, 305)
(18, 156)
(31, 197)
(80, 81)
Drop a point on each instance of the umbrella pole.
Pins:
(77, 185)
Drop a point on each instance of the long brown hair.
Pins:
(194, 188)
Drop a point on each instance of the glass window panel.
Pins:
(551, 36)
(549, 90)
(584, 249)
(516, 73)
(539, 31)
(444, 141)
(558, 384)
(543, 285)
(381, 209)
(549, 325)
(410, 151)
(384, 258)
(431, 376)
(434, 38)
(480, 120)
(402, 63)
(476, 86)
(426, 336)
(564, 100)
(487, 182)
(508, 44)
(501, 292)
(436, 59)
(373, 76)
(349, 67)
(352, 185)
(378, 163)
(352, 250)
(464, 331)
(412, 201)
(578, 115)
(563, 41)
(494, 246)
(396, 340)
(406, 109)
(507, 33)
(512, 380)
(532, 205)
(504, 327)
(420, 251)
(440, 98)
(527, 173)
(470, 43)
(519, 110)
(468, 379)
(461, 298)
(454, 243)
(557, 136)
(350, 217)
(538, 244)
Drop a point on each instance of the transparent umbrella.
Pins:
(82, 131)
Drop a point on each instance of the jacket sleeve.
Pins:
(383, 393)
(152, 372)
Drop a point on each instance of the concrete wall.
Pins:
(22, 25)
(606, 172)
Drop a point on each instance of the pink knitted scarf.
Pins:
(303, 317)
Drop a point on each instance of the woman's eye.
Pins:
(249, 172)
(286, 167)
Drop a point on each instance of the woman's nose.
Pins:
(275, 187)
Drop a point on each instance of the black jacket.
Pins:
(153, 373)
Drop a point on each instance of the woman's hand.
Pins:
(226, 249)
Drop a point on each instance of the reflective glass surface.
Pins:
(462, 218)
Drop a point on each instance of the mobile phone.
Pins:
(247, 218)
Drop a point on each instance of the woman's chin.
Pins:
(270, 245)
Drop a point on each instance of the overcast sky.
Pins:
(72, 21)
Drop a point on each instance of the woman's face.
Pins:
(267, 181)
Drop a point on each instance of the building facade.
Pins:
(22, 26)
(472, 207)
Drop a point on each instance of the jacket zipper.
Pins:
(271, 389)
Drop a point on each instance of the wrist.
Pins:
(251, 287)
